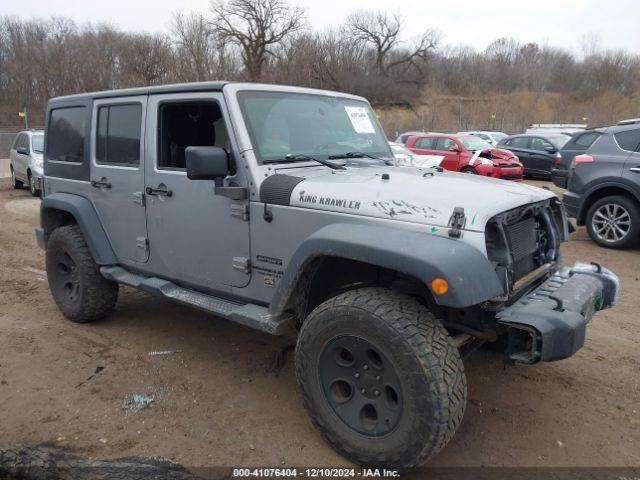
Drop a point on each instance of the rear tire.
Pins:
(614, 222)
(15, 183)
(469, 170)
(380, 378)
(80, 291)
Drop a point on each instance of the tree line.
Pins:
(416, 82)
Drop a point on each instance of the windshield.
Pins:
(473, 143)
(498, 136)
(282, 124)
(37, 142)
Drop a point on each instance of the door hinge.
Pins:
(457, 222)
(242, 264)
(142, 243)
(240, 210)
(138, 197)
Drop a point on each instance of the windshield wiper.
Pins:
(294, 158)
(358, 155)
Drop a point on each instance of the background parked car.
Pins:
(603, 190)
(402, 138)
(25, 159)
(577, 145)
(406, 158)
(538, 153)
(492, 137)
(468, 154)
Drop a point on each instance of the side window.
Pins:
(585, 140)
(426, 143)
(628, 140)
(541, 144)
(66, 134)
(444, 144)
(519, 142)
(189, 124)
(118, 134)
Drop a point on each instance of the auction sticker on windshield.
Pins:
(360, 119)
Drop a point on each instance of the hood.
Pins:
(416, 195)
(500, 155)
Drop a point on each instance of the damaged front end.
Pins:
(545, 310)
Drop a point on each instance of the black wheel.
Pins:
(469, 170)
(614, 222)
(78, 288)
(380, 378)
(32, 187)
(15, 183)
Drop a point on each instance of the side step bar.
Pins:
(249, 314)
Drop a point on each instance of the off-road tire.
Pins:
(431, 373)
(15, 183)
(92, 296)
(470, 171)
(632, 238)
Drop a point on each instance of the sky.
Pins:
(476, 23)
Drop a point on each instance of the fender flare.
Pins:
(471, 277)
(87, 219)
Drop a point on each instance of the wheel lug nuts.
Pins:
(357, 375)
(363, 391)
(376, 393)
(366, 367)
(378, 377)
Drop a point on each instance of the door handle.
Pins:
(635, 169)
(161, 191)
(102, 183)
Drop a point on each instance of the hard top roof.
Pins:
(128, 92)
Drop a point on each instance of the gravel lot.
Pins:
(218, 400)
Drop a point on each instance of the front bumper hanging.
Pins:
(549, 323)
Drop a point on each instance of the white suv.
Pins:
(26, 161)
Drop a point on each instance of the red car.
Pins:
(468, 154)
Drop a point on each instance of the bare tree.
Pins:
(195, 44)
(256, 27)
(381, 31)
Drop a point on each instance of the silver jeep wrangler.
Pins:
(279, 208)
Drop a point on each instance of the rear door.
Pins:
(424, 146)
(520, 147)
(20, 160)
(117, 174)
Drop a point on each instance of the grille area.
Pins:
(522, 238)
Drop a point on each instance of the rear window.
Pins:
(426, 143)
(628, 140)
(585, 140)
(518, 142)
(118, 141)
(66, 135)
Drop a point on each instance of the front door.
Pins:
(451, 159)
(117, 174)
(196, 237)
(541, 155)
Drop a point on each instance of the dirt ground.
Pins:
(218, 401)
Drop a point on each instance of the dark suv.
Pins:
(578, 144)
(603, 187)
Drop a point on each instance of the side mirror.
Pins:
(22, 150)
(454, 149)
(207, 163)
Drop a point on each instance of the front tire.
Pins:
(32, 187)
(469, 170)
(80, 291)
(614, 222)
(380, 378)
